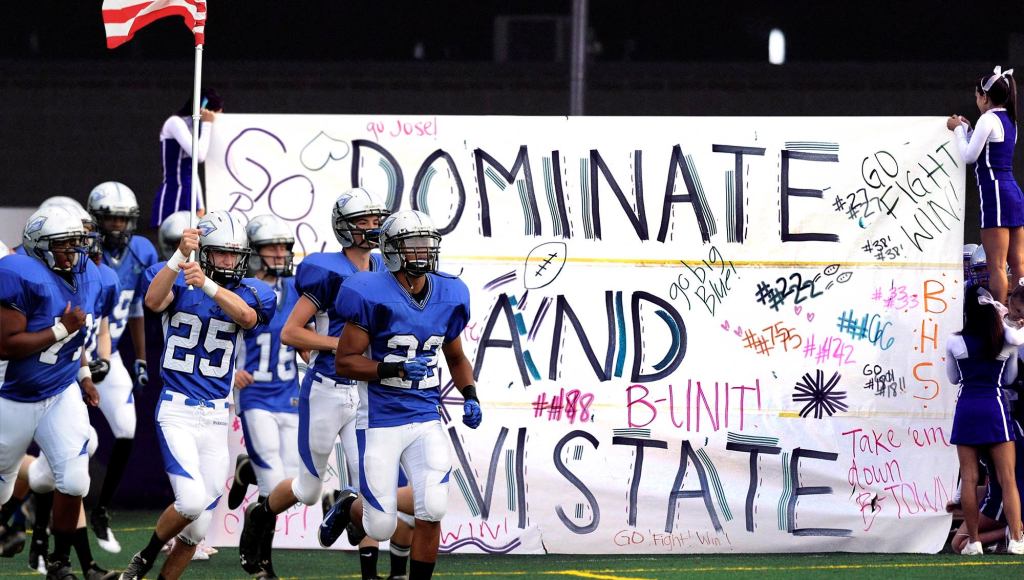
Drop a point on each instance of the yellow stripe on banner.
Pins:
(611, 573)
(893, 566)
(582, 574)
(738, 263)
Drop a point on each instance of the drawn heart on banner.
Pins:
(737, 332)
(798, 309)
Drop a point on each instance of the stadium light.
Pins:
(776, 46)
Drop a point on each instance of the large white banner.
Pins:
(690, 334)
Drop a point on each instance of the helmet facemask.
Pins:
(74, 246)
(417, 252)
(282, 267)
(116, 240)
(224, 274)
(346, 228)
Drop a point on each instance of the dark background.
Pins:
(73, 114)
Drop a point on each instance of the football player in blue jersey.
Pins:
(115, 210)
(46, 299)
(267, 383)
(327, 402)
(397, 323)
(202, 327)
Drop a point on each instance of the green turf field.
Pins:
(133, 529)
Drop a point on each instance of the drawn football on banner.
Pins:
(543, 265)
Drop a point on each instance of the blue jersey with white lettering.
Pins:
(319, 278)
(131, 267)
(105, 303)
(200, 338)
(271, 362)
(30, 287)
(401, 328)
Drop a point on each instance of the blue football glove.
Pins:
(416, 369)
(472, 415)
(141, 373)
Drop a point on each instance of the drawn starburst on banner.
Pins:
(820, 396)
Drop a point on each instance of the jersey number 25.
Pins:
(220, 335)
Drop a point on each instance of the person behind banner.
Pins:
(397, 324)
(981, 360)
(174, 193)
(989, 147)
(201, 325)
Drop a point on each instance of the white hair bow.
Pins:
(997, 73)
(984, 297)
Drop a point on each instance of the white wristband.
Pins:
(59, 331)
(176, 260)
(84, 373)
(210, 287)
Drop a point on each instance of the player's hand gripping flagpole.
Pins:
(123, 18)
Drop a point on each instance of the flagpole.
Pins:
(196, 84)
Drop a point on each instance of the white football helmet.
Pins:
(265, 230)
(349, 207)
(223, 232)
(409, 243)
(72, 205)
(114, 199)
(169, 235)
(53, 225)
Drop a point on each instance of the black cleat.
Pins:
(97, 573)
(137, 568)
(240, 484)
(38, 551)
(59, 570)
(249, 539)
(99, 519)
(12, 543)
(337, 519)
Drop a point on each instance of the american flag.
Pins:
(123, 18)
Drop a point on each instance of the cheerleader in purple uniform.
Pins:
(175, 191)
(981, 360)
(990, 148)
